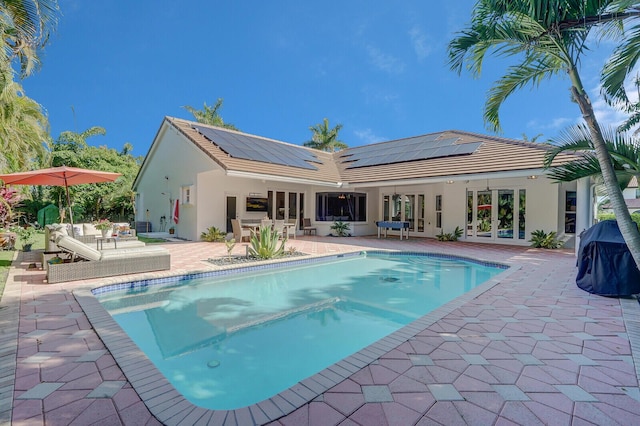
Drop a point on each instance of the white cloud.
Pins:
(385, 62)
(553, 125)
(421, 42)
(367, 136)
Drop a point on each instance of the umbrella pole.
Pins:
(70, 209)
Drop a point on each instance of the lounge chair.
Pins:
(239, 233)
(306, 226)
(86, 262)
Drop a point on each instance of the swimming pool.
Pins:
(235, 340)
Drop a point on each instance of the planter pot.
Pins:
(172, 231)
(105, 233)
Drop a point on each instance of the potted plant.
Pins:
(26, 235)
(105, 226)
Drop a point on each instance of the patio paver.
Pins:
(533, 349)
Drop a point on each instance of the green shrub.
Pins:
(341, 228)
(264, 244)
(540, 239)
(610, 216)
(450, 236)
(213, 234)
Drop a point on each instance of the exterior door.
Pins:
(497, 214)
(232, 211)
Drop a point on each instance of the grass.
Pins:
(147, 240)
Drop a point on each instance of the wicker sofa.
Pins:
(86, 262)
(87, 233)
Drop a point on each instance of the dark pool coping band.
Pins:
(170, 407)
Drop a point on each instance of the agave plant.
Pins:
(264, 244)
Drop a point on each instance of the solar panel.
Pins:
(410, 149)
(253, 148)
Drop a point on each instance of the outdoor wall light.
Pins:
(449, 181)
(532, 177)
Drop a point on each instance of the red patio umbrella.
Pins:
(59, 176)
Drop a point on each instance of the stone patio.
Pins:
(533, 349)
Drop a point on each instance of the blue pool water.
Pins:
(228, 342)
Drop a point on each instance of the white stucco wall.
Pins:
(172, 164)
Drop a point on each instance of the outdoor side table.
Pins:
(101, 240)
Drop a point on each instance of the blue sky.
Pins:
(378, 68)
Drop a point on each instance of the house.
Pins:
(493, 188)
(631, 195)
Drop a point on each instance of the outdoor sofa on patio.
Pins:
(88, 234)
(86, 262)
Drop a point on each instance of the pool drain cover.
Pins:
(213, 363)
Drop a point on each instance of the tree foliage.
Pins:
(210, 115)
(26, 26)
(623, 149)
(324, 138)
(24, 129)
(93, 201)
(547, 38)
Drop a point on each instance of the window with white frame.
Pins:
(187, 194)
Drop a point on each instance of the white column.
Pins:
(584, 209)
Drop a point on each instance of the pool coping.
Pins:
(170, 407)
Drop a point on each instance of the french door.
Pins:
(496, 214)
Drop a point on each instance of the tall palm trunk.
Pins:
(627, 226)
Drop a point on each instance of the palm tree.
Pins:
(25, 26)
(24, 129)
(624, 152)
(210, 115)
(325, 139)
(549, 38)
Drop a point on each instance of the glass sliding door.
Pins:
(293, 207)
(469, 213)
(409, 210)
(484, 211)
(421, 213)
(505, 213)
(522, 207)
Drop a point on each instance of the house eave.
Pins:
(276, 178)
(450, 178)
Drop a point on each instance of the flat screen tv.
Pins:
(257, 204)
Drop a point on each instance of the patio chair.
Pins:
(306, 227)
(239, 233)
(86, 262)
(266, 222)
(278, 226)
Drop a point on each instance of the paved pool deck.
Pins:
(531, 349)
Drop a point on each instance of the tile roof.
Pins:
(485, 154)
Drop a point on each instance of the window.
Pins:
(343, 206)
(438, 211)
(186, 195)
(570, 212)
